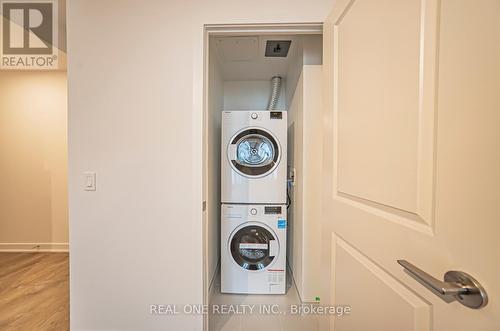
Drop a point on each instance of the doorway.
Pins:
(238, 78)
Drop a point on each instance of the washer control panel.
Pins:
(234, 211)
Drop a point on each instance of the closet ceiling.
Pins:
(242, 57)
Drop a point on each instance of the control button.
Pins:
(253, 211)
(254, 116)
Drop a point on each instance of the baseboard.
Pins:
(34, 247)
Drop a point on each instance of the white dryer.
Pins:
(253, 249)
(253, 157)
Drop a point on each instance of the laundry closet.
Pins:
(266, 82)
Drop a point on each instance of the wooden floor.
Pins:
(34, 291)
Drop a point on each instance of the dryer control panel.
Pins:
(276, 115)
(273, 210)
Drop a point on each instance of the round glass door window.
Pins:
(251, 247)
(257, 153)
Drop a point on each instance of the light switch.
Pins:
(89, 181)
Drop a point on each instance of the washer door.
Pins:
(253, 247)
(254, 152)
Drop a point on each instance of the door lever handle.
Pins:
(444, 288)
(457, 285)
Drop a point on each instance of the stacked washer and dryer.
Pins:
(254, 201)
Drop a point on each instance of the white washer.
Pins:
(253, 157)
(253, 249)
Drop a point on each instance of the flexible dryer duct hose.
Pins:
(275, 92)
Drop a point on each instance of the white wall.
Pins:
(312, 47)
(251, 95)
(309, 50)
(33, 160)
(213, 149)
(304, 154)
(135, 117)
(294, 154)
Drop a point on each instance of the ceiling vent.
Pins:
(277, 48)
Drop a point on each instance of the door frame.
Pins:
(209, 30)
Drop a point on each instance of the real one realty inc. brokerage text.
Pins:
(249, 309)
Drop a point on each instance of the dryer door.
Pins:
(253, 247)
(254, 152)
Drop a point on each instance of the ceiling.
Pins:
(242, 57)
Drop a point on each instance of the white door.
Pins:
(412, 160)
